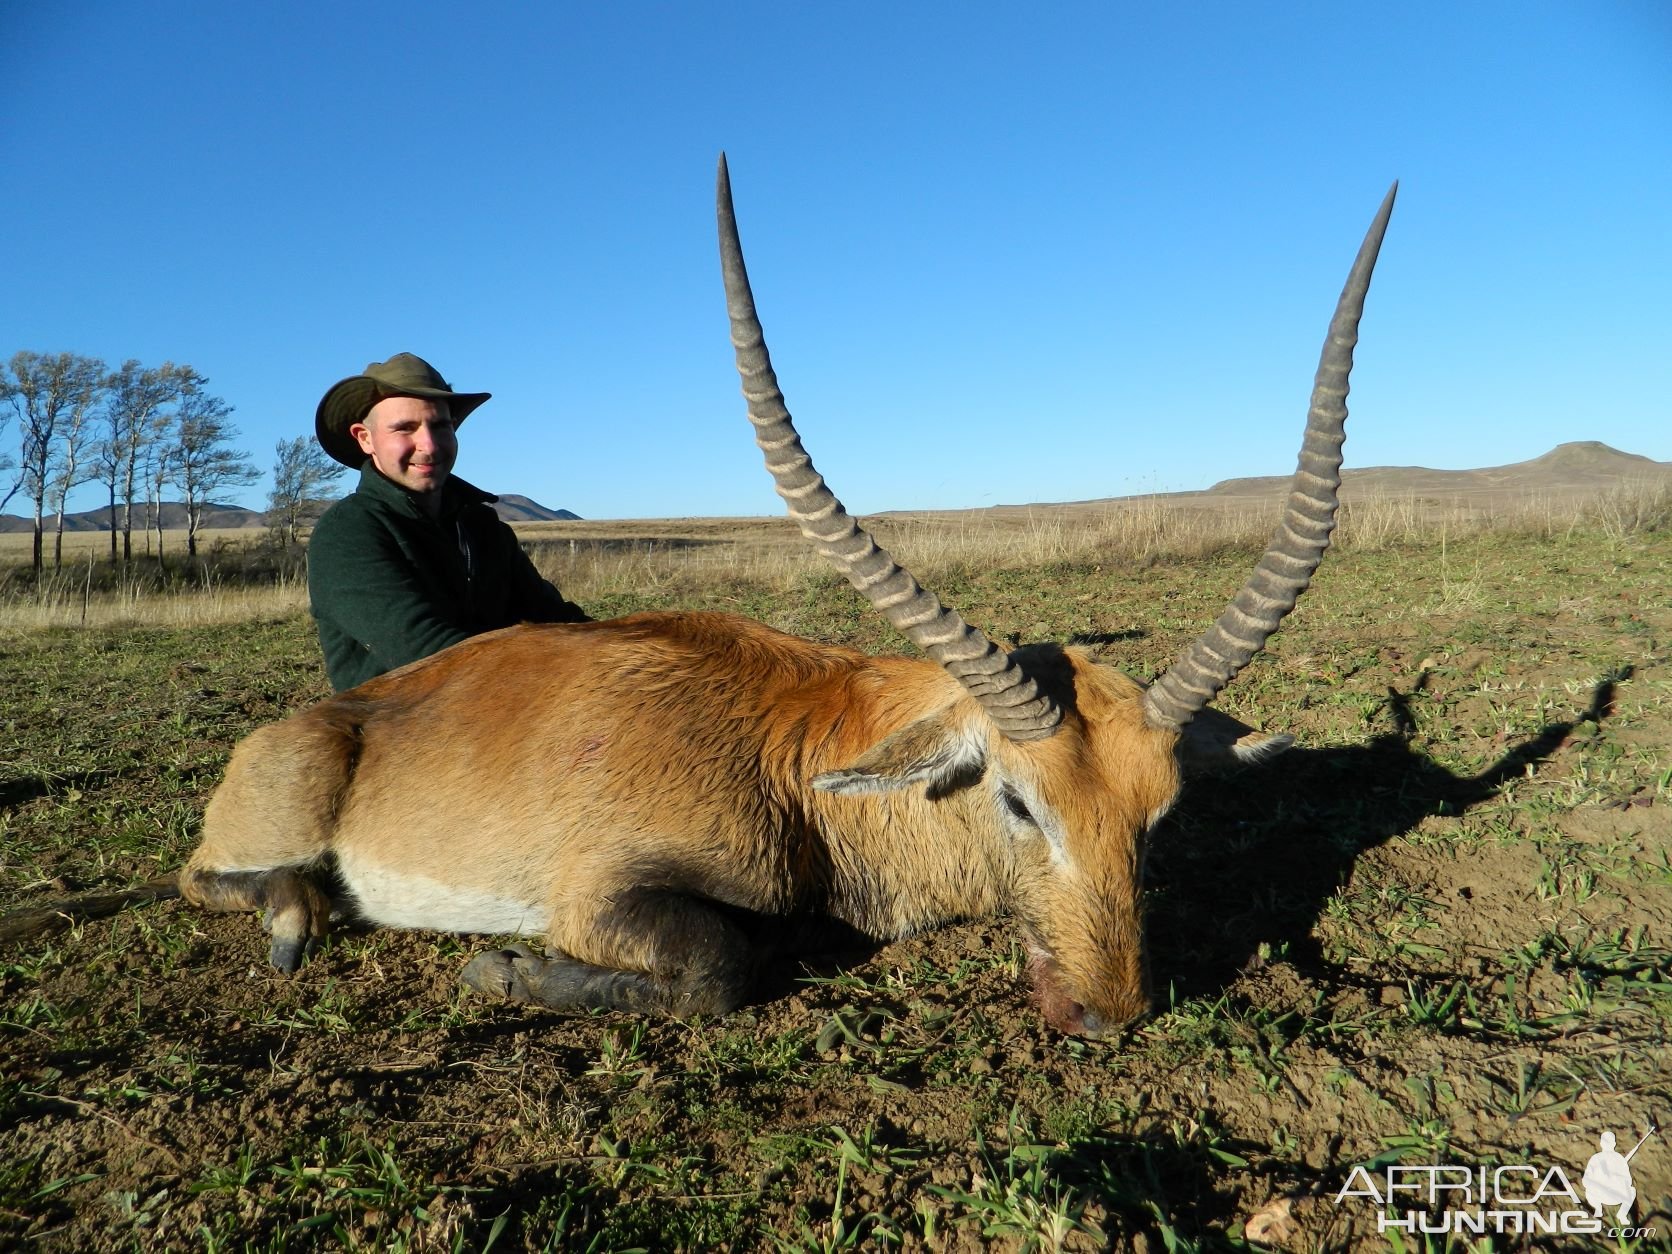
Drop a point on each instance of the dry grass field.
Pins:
(86, 591)
(1438, 934)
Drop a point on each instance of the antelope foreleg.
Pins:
(677, 956)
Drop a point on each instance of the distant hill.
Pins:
(1582, 466)
(1581, 469)
(515, 509)
(511, 507)
(174, 518)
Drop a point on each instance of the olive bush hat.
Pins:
(348, 401)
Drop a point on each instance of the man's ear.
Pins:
(362, 435)
(944, 755)
(1213, 743)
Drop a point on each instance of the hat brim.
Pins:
(349, 400)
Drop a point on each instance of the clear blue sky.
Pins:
(1003, 253)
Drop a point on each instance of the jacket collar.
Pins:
(456, 494)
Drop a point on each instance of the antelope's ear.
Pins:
(1213, 743)
(934, 750)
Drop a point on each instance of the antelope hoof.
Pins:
(287, 952)
(294, 938)
(503, 973)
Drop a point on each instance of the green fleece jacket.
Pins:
(390, 585)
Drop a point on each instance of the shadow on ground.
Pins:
(1234, 868)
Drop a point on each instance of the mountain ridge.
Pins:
(511, 507)
(1575, 466)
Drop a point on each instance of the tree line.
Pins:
(137, 430)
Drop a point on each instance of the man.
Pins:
(1607, 1178)
(415, 559)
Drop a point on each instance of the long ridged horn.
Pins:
(1011, 699)
(1304, 532)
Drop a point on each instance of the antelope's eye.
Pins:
(1017, 806)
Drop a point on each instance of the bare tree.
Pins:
(158, 464)
(44, 390)
(301, 472)
(133, 420)
(203, 460)
(8, 463)
(69, 465)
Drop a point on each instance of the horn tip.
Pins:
(1386, 209)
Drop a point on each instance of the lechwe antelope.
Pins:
(641, 792)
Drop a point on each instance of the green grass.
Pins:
(1439, 931)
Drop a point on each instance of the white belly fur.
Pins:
(401, 899)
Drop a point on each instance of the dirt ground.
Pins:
(1435, 935)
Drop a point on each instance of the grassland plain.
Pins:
(1437, 933)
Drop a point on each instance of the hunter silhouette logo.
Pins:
(1512, 1199)
(1607, 1178)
